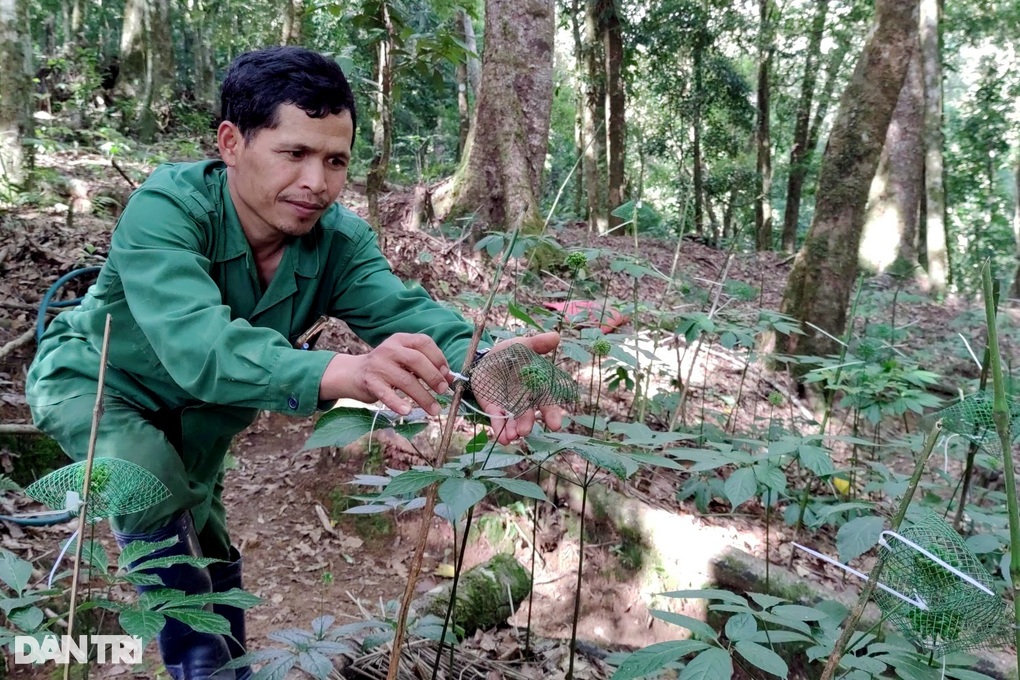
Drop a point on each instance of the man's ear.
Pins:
(229, 140)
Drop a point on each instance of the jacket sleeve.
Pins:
(375, 303)
(157, 251)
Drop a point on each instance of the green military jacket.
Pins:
(192, 328)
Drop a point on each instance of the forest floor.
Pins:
(285, 504)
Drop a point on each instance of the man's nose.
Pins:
(313, 177)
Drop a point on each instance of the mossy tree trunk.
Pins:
(500, 178)
(763, 156)
(818, 289)
(15, 109)
(890, 226)
(293, 21)
(147, 69)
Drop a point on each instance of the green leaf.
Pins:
(858, 536)
(696, 626)
(816, 459)
(521, 487)
(740, 626)
(344, 425)
(654, 657)
(201, 620)
(142, 623)
(235, 597)
(771, 476)
(26, 618)
(777, 637)
(708, 594)
(315, 664)
(762, 657)
(799, 612)
(740, 486)
(711, 664)
(411, 482)
(136, 550)
(605, 457)
(459, 494)
(9, 604)
(765, 601)
(14, 571)
(477, 443)
(624, 211)
(519, 314)
(172, 560)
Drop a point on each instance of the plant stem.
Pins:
(97, 413)
(1001, 416)
(968, 469)
(850, 624)
(430, 503)
(457, 568)
(580, 570)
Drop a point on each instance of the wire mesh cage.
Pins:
(518, 379)
(956, 608)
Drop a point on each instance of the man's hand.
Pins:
(402, 362)
(508, 428)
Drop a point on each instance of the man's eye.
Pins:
(338, 163)
(295, 153)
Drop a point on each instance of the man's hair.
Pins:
(258, 82)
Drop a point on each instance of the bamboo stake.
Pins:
(97, 413)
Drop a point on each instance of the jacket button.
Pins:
(292, 403)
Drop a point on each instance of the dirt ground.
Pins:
(284, 503)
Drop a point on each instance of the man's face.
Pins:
(285, 177)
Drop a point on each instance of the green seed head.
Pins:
(577, 261)
(601, 347)
(775, 398)
(533, 378)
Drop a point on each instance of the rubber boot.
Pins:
(225, 577)
(187, 653)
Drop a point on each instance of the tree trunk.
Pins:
(823, 273)
(616, 129)
(501, 177)
(1015, 290)
(293, 17)
(890, 225)
(15, 104)
(934, 187)
(199, 21)
(800, 152)
(699, 182)
(382, 123)
(580, 142)
(763, 162)
(594, 117)
(131, 81)
(461, 73)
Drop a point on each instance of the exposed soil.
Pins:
(283, 501)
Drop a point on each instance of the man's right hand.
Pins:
(400, 364)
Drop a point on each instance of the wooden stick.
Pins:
(427, 513)
(23, 339)
(19, 428)
(97, 413)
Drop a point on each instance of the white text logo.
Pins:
(64, 649)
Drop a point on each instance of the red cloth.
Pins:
(610, 318)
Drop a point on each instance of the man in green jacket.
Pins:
(215, 269)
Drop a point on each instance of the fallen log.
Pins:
(487, 595)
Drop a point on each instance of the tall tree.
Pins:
(616, 129)
(763, 147)
(818, 289)
(800, 150)
(382, 98)
(15, 112)
(468, 74)
(934, 181)
(199, 17)
(293, 21)
(500, 177)
(593, 117)
(1015, 289)
(890, 226)
(147, 69)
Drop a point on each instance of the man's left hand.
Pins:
(508, 428)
